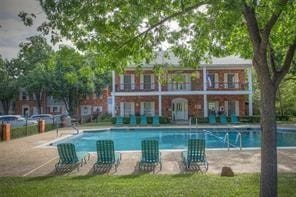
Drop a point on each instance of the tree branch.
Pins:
(272, 62)
(287, 64)
(163, 21)
(273, 19)
(253, 27)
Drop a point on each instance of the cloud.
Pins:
(13, 31)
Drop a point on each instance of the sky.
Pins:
(13, 31)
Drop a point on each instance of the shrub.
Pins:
(24, 131)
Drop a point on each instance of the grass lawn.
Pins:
(142, 185)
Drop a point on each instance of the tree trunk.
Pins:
(38, 101)
(268, 182)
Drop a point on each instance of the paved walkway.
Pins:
(25, 157)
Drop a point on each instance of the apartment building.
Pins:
(222, 86)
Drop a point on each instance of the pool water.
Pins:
(177, 138)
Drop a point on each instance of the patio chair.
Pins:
(106, 156)
(234, 119)
(69, 158)
(223, 119)
(133, 120)
(155, 121)
(119, 121)
(143, 120)
(195, 155)
(212, 119)
(150, 154)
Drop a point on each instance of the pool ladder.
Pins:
(238, 137)
(190, 123)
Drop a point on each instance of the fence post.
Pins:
(41, 126)
(6, 131)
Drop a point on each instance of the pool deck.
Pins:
(28, 157)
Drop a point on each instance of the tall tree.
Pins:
(8, 82)
(122, 32)
(71, 78)
(34, 56)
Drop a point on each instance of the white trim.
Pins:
(141, 82)
(237, 108)
(121, 81)
(204, 74)
(205, 106)
(226, 108)
(236, 80)
(113, 91)
(132, 81)
(212, 92)
(216, 81)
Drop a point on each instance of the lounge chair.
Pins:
(119, 121)
(133, 120)
(223, 119)
(212, 119)
(155, 121)
(69, 158)
(143, 120)
(234, 119)
(150, 154)
(106, 155)
(195, 155)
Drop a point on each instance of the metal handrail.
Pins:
(239, 136)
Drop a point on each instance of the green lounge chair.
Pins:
(212, 119)
(119, 121)
(150, 154)
(106, 154)
(195, 155)
(155, 121)
(133, 120)
(143, 120)
(69, 157)
(223, 119)
(234, 119)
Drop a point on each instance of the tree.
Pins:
(34, 56)
(122, 32)
(8, 82)
(71, 78)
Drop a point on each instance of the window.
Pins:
(147, 109)
(127, 82)
(213, 108)
(230, 81)
(147, 82)
(179, 82)
(211, 80)
(127, 108)
(24, 96)
(231, 108)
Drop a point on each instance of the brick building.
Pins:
(92, 104)
(223, 86)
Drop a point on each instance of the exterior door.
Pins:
(180, 109)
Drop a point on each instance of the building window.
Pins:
(230, 80)
(147, 82)
(127, 80)
(213, 108)
(231, 108)
(211, 80)
(180, 82)
(127, 108)
(147, 109)
(24, 96)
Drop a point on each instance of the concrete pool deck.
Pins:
(26, 157)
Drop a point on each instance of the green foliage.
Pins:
(144, 185)
(23, 131)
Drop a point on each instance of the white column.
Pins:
(205, 106)
(204, 74)
(159, 99)
(250, 91)
(113, 93)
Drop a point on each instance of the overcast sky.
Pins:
(13, 31)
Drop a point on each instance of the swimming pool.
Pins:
(176, 138)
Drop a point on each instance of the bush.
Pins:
(24, 131)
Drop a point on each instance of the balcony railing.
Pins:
(180, 87)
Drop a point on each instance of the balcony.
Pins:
(137, 87)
